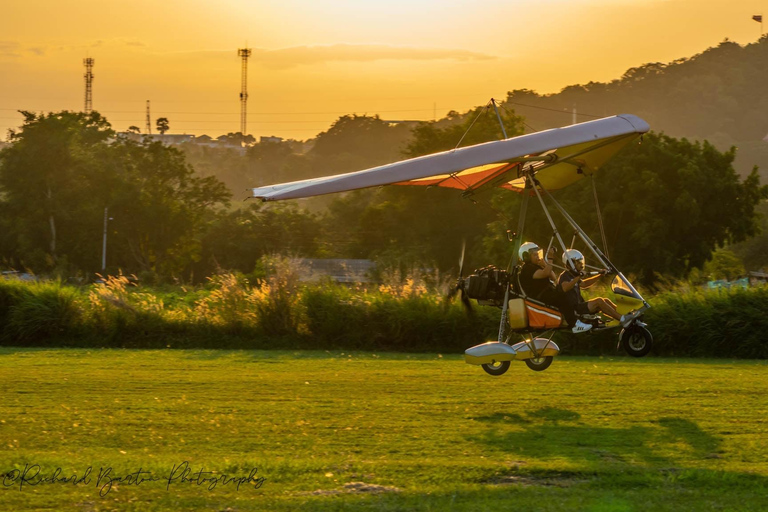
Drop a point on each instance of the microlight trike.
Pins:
(532, 165)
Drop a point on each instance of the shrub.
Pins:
(39, 312)
(279, 313)
(716, 323)
(403, 319)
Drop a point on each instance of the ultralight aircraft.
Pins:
(531, 165)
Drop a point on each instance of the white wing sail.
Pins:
(561, 157)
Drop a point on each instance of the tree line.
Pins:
(667, 203)
(59, 173)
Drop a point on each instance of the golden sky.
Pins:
(314, 60)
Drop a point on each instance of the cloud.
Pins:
(14, 50)
(10, 49)
(307, 55)
(285, 58)
(112, 42)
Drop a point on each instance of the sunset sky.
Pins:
(314, 60)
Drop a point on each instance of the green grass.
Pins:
(593, 434)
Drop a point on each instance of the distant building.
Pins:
(173, 139)
(170, 139)
(270, 139)
(757, 278)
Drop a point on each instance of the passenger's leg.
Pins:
(604, 306)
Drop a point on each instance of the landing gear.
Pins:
(636, 340)
(497, 368)
(539, 364)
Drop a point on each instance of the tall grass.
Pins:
(401, 315)
(716, 323)
(403, 318)
(30, 312)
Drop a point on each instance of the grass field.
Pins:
(363, 431)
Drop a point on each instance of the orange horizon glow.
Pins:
(315, 61)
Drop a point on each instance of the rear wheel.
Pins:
(636, 341)
(539, 364)
(497, 368)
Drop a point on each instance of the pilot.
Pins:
(537, 278)
(572, 280)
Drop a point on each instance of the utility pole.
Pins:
(149, 121)
(107, 218)
(573, 121)
(243, 53)
(88, 63)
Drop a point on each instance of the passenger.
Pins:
(571, 281)
(537, 278)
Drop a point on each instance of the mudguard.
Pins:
(489, 353)
(494, 352)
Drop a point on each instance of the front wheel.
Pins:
(539, 364)
(636, 341)
(497, 368)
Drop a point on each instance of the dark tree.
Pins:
(52, 189)
(62, 169)
(162, 125)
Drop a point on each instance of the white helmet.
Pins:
(570, 257)
(525, 251)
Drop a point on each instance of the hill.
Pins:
(718, 95)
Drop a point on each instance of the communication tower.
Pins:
(243, 53)
(88, 63)
(149, 121)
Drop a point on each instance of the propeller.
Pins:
(459, 286)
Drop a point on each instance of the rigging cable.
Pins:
(522, 119)
(599, 216)
(484, 110)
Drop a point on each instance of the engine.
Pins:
(487, 285)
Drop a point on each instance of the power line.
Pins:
(297, 100)
(564, 111)
(337, 112)
(179, 121)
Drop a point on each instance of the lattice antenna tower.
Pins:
(88, 63)
(149, 121)
(243, 53)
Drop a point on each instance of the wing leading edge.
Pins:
(561, 157)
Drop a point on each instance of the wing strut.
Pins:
(520, 227)
(602, 258)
